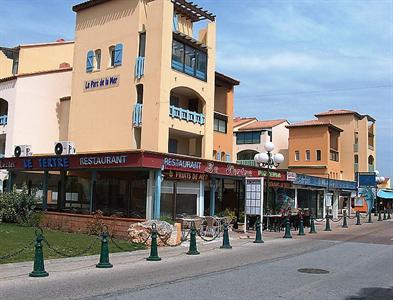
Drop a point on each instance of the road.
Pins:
(357, 263)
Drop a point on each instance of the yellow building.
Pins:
(358, 141)
(315, 149)
(143, 79)
(32, 58)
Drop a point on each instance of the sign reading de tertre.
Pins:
(101, 83)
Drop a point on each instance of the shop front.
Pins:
(136, 185)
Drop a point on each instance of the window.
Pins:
(270, 134)
(318, 155)
(97, 59)
(251, 137)
(173, 100)
(220, 125)
(172, 146)
(308, 155)
(189, 60)
(177, 55)
(297, 155)
(356, 159)
(142, 44)
(139, 93)
(116, 55)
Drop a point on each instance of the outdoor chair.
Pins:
(210, 226)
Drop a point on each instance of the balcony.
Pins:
(187, 115)
(139, 67)
(370, 147)
(247, 162)
(334, 155)
(356, 147)
(137, 115)
(371, 168)
(356, 167)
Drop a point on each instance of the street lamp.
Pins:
(378, 180)
(269, 160)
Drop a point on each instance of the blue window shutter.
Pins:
(118, 55)
(89, 61)
(175, 23)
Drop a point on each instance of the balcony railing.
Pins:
(139, 67)
(137, 115)
(371, 168)
(356, 147)
(356, 167)
(3, 120)
(185, 114)
(247, 162)
(334, 156)
(370, 147)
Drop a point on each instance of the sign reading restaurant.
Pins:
(103, 160)
(101, 83)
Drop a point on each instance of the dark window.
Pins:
(308, 155)
(252, 137)
(142, 44)
(270, 134)
(220, 125)
(297, 155)
(139, 93)
(172, 146)
(318, 154)
(201, 65)
(174, 101)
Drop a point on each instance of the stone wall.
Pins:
(78, 223)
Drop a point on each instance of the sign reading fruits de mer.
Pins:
(101, 83)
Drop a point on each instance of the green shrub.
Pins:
(17, 206)
(167, 219)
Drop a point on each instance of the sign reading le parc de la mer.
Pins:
(101, 83)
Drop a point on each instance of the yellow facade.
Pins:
(358, 141)
(101, 119)
(303, 144)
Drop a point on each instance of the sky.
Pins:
(293, 58)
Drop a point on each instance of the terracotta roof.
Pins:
(87, 4)
(238, 121)
(262, 124)
(226, 79)
(35, 73)
(310, 123)
(336, 112)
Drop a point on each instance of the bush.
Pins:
(17, 206)
(167, 219)
(96, 225)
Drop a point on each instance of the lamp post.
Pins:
(268, 159)
(378, 180)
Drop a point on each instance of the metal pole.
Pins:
(268, 179)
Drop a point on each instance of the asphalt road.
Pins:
(358, 264)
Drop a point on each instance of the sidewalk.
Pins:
(237, 240)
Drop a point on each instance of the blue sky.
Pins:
(293, 58)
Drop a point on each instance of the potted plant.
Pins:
(240, 223)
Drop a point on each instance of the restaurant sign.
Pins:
(178, 175)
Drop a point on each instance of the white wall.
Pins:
(33, 115)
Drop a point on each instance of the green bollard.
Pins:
(258, 234)
(153, 248)
(389, 214)
(379, 215)
(301, 226)
(193, 247)
(225, 238)
(327, 227)
(38, 268)
(104, 256)
(345, 224)
(287, 234)
(369, 218)
(358, 218)
(312, 226)
(384, 214)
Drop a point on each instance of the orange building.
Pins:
(314, 149)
